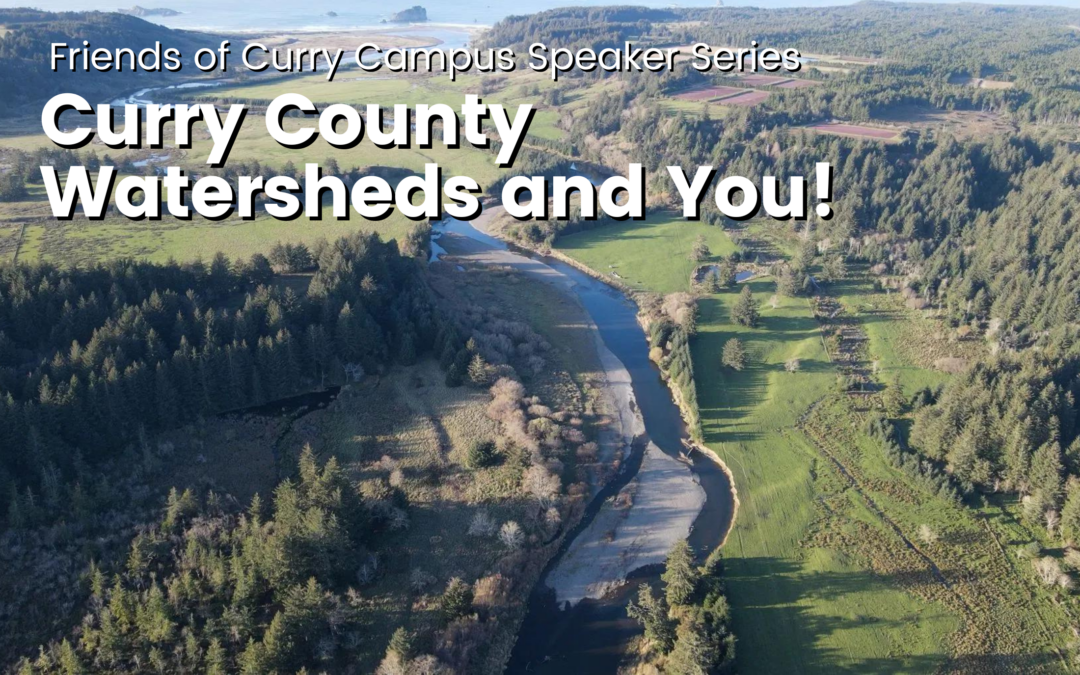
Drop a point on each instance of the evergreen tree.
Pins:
(481, 454)
(1046, 471)
(456, 600)
(734, 355)
(1070, 515)
(651, 611)
(679, 574)
(745, 310)
(893, 399)
(479, 371)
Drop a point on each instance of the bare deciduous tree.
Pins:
(541, 483)
(482, 525)
(511, 536)
(1048, 569)
(1053, 519)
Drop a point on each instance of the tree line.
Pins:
(92, 358)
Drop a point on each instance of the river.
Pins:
(593, 635)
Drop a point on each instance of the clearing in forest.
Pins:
(981, 83)
(855, 130)
(707, 93)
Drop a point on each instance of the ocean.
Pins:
(312, 15)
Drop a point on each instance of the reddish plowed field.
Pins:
(748, 98)
(763, 80)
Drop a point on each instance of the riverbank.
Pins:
(485, 223)
(657, 508)
(635, 529)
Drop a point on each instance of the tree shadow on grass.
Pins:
(772, 600)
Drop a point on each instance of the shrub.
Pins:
(481, 454)
(456, 600)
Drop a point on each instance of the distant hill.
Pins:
(25, 76)
(152, 11)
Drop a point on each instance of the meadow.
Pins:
(823, 566)
(798, 607)
(390, 90)
(652, 255)
(83, 242)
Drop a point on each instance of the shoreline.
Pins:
(394, 29)
(656, 509)
(676, 395)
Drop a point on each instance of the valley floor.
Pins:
(825, 569)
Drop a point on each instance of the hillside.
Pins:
(26, 78)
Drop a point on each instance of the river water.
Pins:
(592, 636)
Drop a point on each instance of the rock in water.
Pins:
(414, 14)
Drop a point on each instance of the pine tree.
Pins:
(68, 660)
(481, 454)
(680, 574)
(1046, 472)
(651, 611)
(695, 652)
(401, 644)
(734, 355)
(893, 399)
(726, 273)
(252, 661)
(1070, 515)
(456, 600)
(215, 661)
(479, 371)
(745, 310)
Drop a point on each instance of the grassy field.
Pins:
(826, 568)
(649, 255)
(799, 606)
(509, 90)
(82, 242)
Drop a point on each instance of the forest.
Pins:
(958, 241)
(93, 358)
(27, 79)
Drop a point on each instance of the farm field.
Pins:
(763, 80)
(749, 98)
(797, 84)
